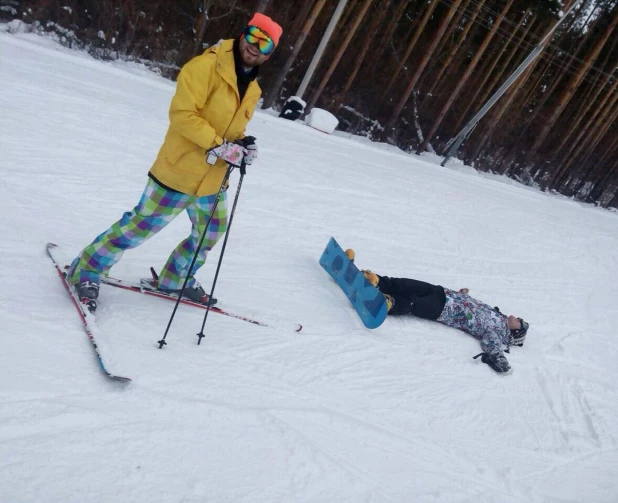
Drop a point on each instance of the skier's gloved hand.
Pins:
(498, 362)
(248, 142)
(232, 153)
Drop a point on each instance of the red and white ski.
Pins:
(146, 288)
(107, 362)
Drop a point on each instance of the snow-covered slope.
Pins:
(335, 413)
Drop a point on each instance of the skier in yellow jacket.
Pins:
(216, 95)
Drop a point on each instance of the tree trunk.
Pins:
(489, 71)
(273, 89)
(613, 203)
(301, 18)
(593, 184)
(521, 51)
(421, 67)
(609, 153)
(419, 30)
(347, 13)
(551, 60)
(337, 58)
(573, 85)
(585, 160)
(390, 28)
(600, 127)
(588, 102)
(464, 78)
(457, 46)
(497, 114)
(453, 26)
(373, 27)
(600, 186)
(201, 27)
(262, 6)
(486, 132)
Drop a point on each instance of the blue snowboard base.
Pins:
(367, 300)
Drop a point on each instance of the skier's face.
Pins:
(250, 54)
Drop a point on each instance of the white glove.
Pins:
(232, 153)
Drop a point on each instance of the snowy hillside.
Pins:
(337, 412)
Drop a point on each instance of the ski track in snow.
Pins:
(336, 412)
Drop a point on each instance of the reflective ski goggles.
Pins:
(254, 36)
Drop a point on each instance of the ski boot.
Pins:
(88, 293)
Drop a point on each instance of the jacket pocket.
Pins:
(178, 147)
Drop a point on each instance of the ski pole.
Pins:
(243, 166)
(197, 251)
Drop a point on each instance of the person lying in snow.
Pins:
(455, 309)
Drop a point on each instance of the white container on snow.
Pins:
(322, 120)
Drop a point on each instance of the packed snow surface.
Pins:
(337, 412)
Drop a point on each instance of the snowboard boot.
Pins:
(372, 277)
(88, 293)
(390, 301)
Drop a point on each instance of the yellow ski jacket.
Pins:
(205, 110)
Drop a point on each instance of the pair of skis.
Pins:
(105, 357)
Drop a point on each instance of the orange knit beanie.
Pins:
(266, 24)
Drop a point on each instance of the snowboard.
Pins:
(367, 300)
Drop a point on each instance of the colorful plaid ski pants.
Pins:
(156, 208)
